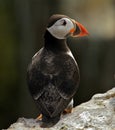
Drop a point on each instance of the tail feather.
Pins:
(48, 121)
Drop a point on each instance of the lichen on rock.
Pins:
(96, 114)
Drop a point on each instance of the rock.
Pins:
(96, 114)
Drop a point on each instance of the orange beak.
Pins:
(79, 30)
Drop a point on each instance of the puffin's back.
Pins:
(47, 81)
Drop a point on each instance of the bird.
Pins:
(53, 75)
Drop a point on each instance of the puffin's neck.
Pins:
(54, 44)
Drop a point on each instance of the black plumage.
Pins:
(53, 77)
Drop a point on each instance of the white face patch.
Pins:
(61, 28)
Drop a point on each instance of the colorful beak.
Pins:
(79, 30)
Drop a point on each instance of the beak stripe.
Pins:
(83, 30)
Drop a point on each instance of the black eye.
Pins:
(64, 22)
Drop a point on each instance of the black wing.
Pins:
(67, 80)
(35, 78)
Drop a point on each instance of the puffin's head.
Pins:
(61, 26)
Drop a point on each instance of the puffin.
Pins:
(53, 74)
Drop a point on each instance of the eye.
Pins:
(64, 23)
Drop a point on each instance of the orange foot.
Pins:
(39, 117)
(67, 111)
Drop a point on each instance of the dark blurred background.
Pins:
(22, 24)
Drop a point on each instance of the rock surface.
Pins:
(96, 114)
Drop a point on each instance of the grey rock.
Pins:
(96, 114)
